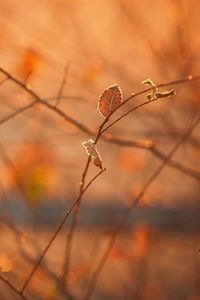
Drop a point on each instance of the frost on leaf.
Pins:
(110, 100)
(91, 149)
(152, 95)
(165, 94)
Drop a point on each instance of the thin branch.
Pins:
(134, 203)
(117, 141)
(86, 130)
(69, 242)
(68, 247)
(26, 255)
(79, 125)
(157, 153)
(3, 81)
(128, 112)
(63, 83)
(13, 288)
(44, 103)
(57, 231)
(17, 176)
(176, 165)
(17, 112)
(189, 78)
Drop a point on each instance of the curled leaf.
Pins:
(152, 95)
(158, 95)
(165, 94)
(91, 149)
(148, 82)
(98, 162)
(110, 100)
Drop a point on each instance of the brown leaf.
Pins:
(91, 149)
(110, 100)
(98, 163)
(165, 94)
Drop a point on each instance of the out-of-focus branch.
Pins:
(57, 232)
(13, 288)
(83, 128)
(17, 112)
(76, 123)
(134, 203)
(68, 247)
(117, 141)
(146, 145)
(59, 112)
(63, 83)
(17, 234)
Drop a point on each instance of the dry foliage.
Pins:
(74, 230)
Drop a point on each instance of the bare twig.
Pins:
(128, 112)
(75, 122)
(44, 103)
(57, 232)
(63, 83)
(157, 153)
(26, 255)
(134, 203)
(5, 157)
(84, 129)
(117, 141)
(68, 247)
(3, 81)
(13, 288)
(17, 112)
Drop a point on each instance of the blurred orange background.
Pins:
(97, 44)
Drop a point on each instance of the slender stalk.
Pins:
(13, 288)
(102, 129)
(63, 84)
(69, 243)
(57, 232)
(39, 100)
(134, 203)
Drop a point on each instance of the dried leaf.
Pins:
(148, 82)
(98, 163)
(110, 100)
(165, 94)
(152, 95)
(91, 149)
(158, 95)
